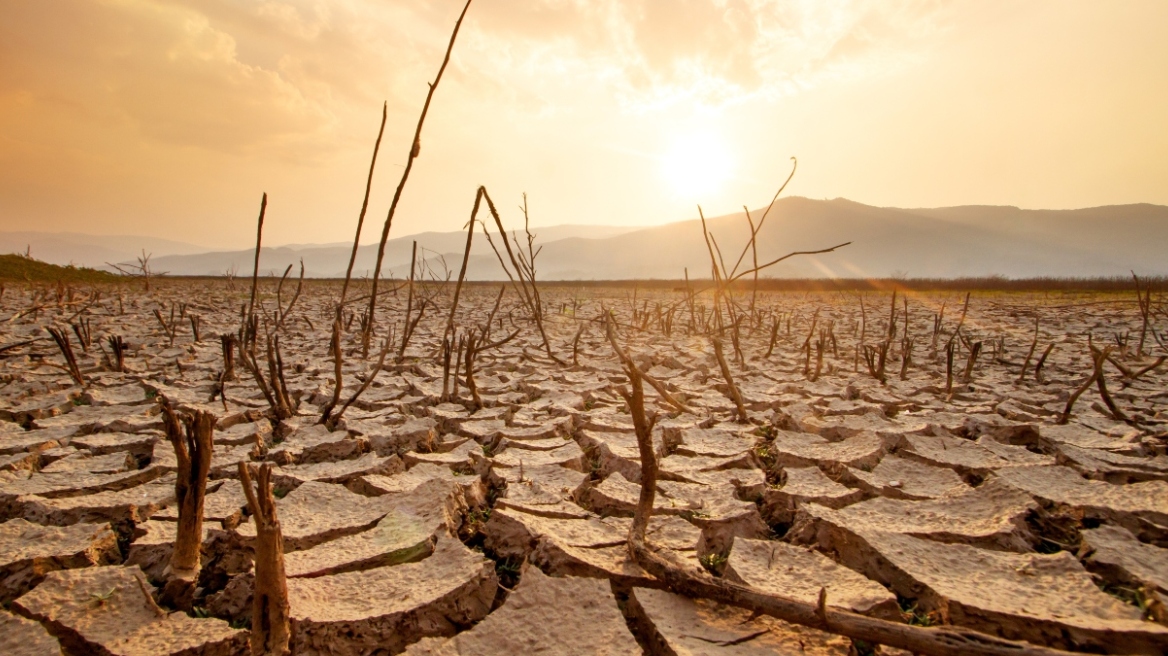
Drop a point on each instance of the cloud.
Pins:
(164, 69)
(657, 53)
(284, 74)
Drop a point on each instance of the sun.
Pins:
(697, 165)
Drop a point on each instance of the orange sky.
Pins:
(170, 117)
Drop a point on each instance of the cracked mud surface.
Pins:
(426, 524)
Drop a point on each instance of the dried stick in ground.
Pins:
(774, 338)
(876, 357)
(196, 325)
(949, 349)
(752, 243)
(227, 342)
(465, 258)
(118, 346)
(974, 351)
(1041, 361)
(732, 389)
(964, 311)
(892, 319)
(169, 329)
(473, 341)
(906, 357)
(62, 341)
(415, 151)
(1133, 375)
(273, 387)
(447, 354)
(335, 349)
(1101, 381)
(938, 320)
(270, 633)
(281, 311)
(524, 271)
(192, 449)
(820, 344)
(406, 330)
(364, 205)
(1097, 358)
(255, 273)
(576, 345)
(1030, 353)
(84, 335)
(691, 582)
(494, 309)
(1145, 312)
(610, 333)
(276, 379)
(643, 427)
(459, 348)
(368, 378)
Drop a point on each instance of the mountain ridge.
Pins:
(946, 242)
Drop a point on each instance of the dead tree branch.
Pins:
(415, 151)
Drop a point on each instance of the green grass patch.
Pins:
(21, 268)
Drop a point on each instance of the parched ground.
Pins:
(427, 523)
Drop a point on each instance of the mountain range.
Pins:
(885, 242)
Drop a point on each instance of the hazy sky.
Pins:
(170, 117)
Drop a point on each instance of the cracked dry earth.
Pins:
(423, 525)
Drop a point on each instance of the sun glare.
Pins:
(697, 165)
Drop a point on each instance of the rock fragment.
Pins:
(991, 516)
(1142, 508)
(133, 504)
(29, 551)
(1115, 553)
(1044, 599)
(395, 606)
(318, 512)
(798, 573)
(534, 621)
(682, 626)
(109, 610)
(804, 485)
(21, 637)
(863, 449)
(899, 478)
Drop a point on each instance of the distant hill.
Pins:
(886, 242)
(889, 242)
(331, 261)
(94, 251)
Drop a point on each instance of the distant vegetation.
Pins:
(1118, 284)
(20, 267)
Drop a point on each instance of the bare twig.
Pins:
(255, 273)
(627, 362)
(62, 341)
(364, 203)
(415, 151)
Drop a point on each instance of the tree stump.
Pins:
(270, 633)
(192, 449)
